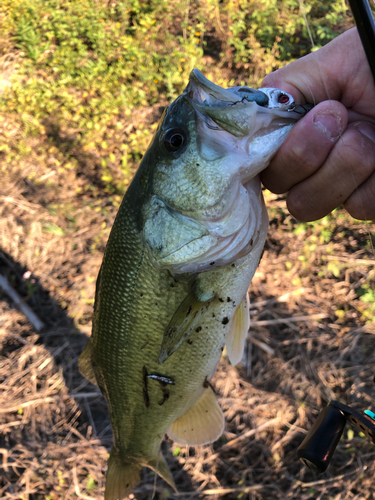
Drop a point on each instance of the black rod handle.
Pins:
(320, 443)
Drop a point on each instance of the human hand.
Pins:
(328, 158)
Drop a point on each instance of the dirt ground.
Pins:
(310, 342)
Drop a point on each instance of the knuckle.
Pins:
(298, 203)
(361, 203)
(357, 152)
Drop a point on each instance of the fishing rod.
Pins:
(321, 441)
(364, 20)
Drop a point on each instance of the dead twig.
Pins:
(246, 435)
(80, 395)
(261, 345)
(76, 487)
(220, 491)
(21, 204)
(292, 319)
(282, 298)
(353, 262)
(33, 402)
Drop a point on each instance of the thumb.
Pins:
(332, 72)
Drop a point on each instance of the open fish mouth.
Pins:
(237, 132)
(234, 109)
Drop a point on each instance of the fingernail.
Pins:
(329, 124)
(367, 130)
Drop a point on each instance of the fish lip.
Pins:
(198, 81)
(204, 96)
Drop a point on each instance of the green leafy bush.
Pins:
(85, 66)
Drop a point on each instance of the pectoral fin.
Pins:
(236, 336)
(203, 423)
(182, 324)
(85, 363)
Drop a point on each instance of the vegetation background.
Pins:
(82, 86)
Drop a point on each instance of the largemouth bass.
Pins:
(172, 288)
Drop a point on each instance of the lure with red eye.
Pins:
(283, 99)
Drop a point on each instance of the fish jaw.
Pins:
(248, 124)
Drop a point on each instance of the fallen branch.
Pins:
(262, 345)
(246, 435)
(30, 315)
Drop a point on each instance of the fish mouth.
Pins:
(234, 110)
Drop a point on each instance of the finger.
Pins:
(306, 147)
(361, 204)
(338, 71)
(350, 163)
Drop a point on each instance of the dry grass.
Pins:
(301, 353)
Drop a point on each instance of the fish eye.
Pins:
(283, 99)
(174, 139)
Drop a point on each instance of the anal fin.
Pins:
(203, 423)
(238, 329)
(85, 363)
(185, 319)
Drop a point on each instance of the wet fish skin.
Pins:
(164, 307)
